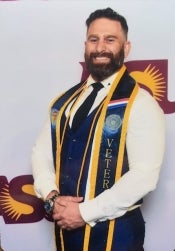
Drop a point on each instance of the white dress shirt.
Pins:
(145, 142)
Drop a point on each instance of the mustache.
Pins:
(101, 54)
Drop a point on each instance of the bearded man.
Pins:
(102, 149)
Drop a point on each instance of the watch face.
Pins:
(48, 206)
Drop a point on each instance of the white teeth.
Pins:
(100, 57)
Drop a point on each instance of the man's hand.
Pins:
(66, 212)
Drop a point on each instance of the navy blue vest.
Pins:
(74, 148)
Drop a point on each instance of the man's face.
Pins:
(105, 48)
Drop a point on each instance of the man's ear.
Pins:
(127, 48)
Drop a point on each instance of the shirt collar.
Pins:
(106, 82)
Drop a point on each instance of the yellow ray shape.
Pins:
(153, 79)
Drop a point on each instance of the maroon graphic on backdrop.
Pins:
(18, 202)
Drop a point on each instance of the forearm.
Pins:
(42, 164)
(120, 198)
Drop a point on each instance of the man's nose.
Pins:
(101, 46)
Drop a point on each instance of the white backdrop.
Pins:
(41, 45)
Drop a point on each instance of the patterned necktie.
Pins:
(83, 111)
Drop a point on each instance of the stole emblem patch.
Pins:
(54, 113)
(113, 123)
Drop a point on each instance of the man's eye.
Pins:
(110, 40)
(93, 40)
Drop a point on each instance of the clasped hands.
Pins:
(66, 212)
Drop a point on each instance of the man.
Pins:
(93, 174)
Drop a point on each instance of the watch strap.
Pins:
(53, 198)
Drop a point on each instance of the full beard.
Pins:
(101, 71)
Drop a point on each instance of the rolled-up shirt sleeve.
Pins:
(145, 143)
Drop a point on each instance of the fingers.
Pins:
(63, 225)
(63, 200)
(77, 199)
(70, 198)
(66, 212)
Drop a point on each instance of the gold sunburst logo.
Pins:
(153, 79)
(13, 208)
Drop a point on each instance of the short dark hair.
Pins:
(110, 14)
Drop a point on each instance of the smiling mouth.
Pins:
(101, 59)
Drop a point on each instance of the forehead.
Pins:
(105, 26)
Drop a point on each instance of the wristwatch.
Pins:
(49, 204)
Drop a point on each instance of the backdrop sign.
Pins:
(41, 48)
